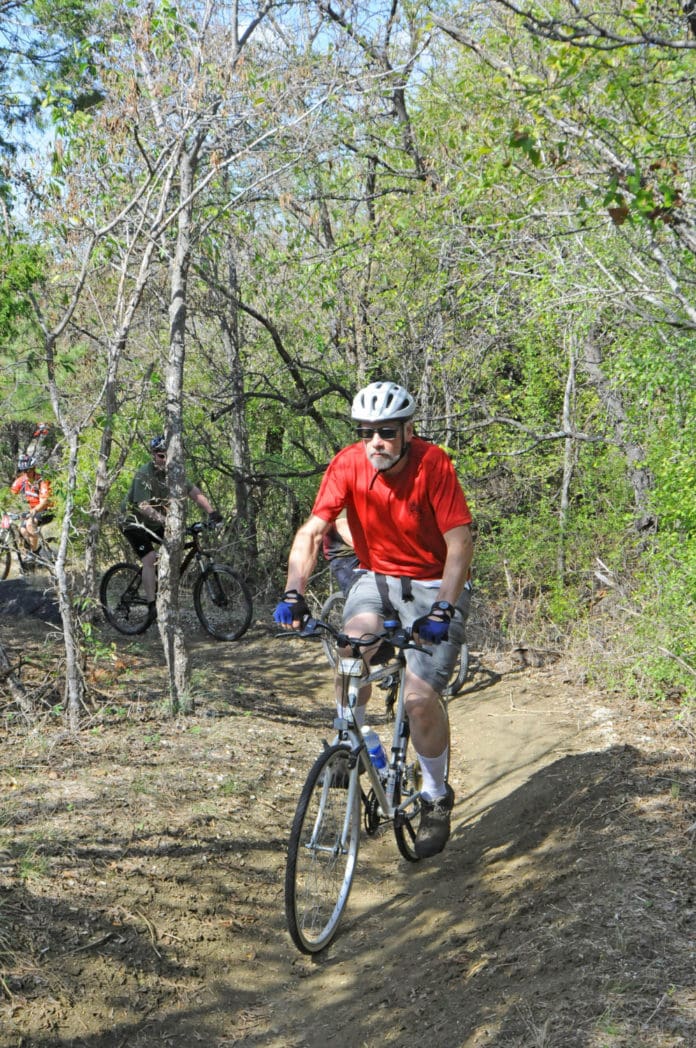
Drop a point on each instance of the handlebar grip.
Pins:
(308, 627)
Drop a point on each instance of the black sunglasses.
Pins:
(368, 432)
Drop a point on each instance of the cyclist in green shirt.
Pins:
(144, 513)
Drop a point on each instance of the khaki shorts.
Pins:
(435, 669)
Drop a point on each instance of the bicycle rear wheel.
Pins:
(459, 673)
(222, 602)
(124, 605)
(406, 822)
(332, 612)
(45, 558)
(323, 851)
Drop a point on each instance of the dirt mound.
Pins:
(142, 865)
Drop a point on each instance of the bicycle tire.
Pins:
(332, 612)
(222, 602)
(124, 607)
(406, 823)
(5, 561)
(459, 673)
(320, 869)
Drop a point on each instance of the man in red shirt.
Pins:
(410, 526)
(37, 493)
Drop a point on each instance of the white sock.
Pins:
(359, 713)
(433, 772)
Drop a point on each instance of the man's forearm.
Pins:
(460, 551)
(151, 514)
(303, 557)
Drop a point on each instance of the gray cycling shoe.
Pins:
(434, 828)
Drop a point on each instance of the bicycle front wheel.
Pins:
(323, 851)
(332, 612)
(123, 603)
(222, 602)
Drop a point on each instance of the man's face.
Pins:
(384, 441)
(160, 459)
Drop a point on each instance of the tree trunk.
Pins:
(238, 433)
(124, 312)
(169, 620)
(639, 475)
(74, 677)
(568, 459)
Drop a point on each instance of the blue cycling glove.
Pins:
(292, 608)
(434, 627)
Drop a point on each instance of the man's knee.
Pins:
(422, 700)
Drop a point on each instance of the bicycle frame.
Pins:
(351, 669)
(194, 551)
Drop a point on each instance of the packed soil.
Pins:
(142, 863)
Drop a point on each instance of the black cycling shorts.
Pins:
(143, 540)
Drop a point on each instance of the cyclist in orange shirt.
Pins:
(37, 493)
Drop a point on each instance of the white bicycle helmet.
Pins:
(382, 402)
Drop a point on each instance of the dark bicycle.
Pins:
(11, 542)
(221, 598)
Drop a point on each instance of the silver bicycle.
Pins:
(325, 835)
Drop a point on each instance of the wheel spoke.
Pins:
(223, 603)
(124, 604)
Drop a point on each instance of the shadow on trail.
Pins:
(547, 920)
(29, 598)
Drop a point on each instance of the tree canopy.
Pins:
(233, 215)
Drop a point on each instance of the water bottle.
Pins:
(375, 749)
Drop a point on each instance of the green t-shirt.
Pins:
(148, 485)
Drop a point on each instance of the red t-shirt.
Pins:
(397, 523)
(33, 490)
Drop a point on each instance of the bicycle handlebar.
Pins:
(398, 636)
(12, 516)
(204, 525)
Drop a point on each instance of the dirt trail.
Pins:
(141, 869)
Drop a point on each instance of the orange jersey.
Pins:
(34, 491)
